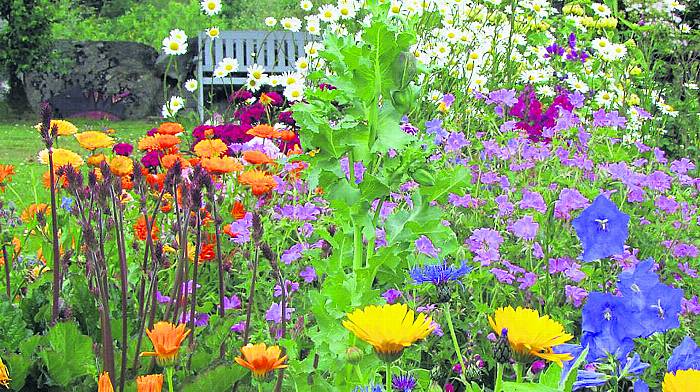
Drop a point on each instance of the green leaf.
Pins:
(447, 181)
(515, 387)
(219, 379)
(69, 355)
(570, 378)
(551, 377)
(18, 365)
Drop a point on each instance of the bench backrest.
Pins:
(276, 51)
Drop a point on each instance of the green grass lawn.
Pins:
(20, 144)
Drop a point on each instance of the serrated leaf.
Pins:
(219, 379)
(68, 354)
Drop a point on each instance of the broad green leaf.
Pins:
(515, 387)
(552, 376)
(219, 379)
(68, 354)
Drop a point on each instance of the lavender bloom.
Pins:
(456, 141)
(369, 388)
(358, 168)
(67, 204)
(391, 296)
(308, 274)
(274, 313)
(569, 200)
(485, 243)
(305, 212)
(602, 229)
(502, 275)
(238, 327)
(162, 299)
(242, 228)
(527, 280)
(425, 246)
(289, 288)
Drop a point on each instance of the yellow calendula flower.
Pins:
(4, 375)
(166, 339)
(121, 166)
(261, 360)
(530, 335)
(92, 140)
(65, 128)
(388, 328)
(682, 381)
(61, 157)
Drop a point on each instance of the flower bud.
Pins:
(354, 355)
(501, 349)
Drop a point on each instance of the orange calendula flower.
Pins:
(530, 335)
(121, 166)
(65, 128)
(96, 160)
(104, 383)
(264, 131)
(149, 383)
(166, 339)
(256, 157)
(4, 375)
(265, 99)
(209, 148)
(6, 173)
(170, 128)
(259, 181)
(141, 229)
(206, 253)
(30, 212)
(238, 210)
(166, 141)
(92, 140)
(156, 181)
(260, 359)
(221, 165)
(61, 157)
(228, 230)
(169, 161)
(287, 135)
(59, 180)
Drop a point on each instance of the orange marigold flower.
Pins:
(149, 383)
(166, 339)
(256, 157)
(238, 210)
(265, 99)
(30, 212)
(121, 166)
(92, 140)
(166, 141)
(141, 229)
(259, 181)
(6, 173)
(296, 150)
(170, 128)
(261, 360)
(221, 165)
(62, 180)
(127, 184)
(206, 253)
(169, 160)
(104, 384)
(96, 160)
(148, 143)
(264, 131)
(16, 246)
(156, 181)
(229, 231)
(287, 135)
(209, 148)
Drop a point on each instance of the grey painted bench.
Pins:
(276, 51)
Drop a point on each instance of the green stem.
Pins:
(169, 373)
(499, 378)
(454, 338)
(357, 247)
(518, 372)
(259, 387)
(388, 376)
(359, 373)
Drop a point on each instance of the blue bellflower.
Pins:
(661, 309)
(438, 274)
(685, 356)
(609, 326)
(635, 284)
(602, 229)
(369, 388)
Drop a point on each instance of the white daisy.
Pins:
(306, 5)
(211, 7)
(270, 21)
(291, 24)
(174, 47)
(213, 32)
(191, 85)
(256, 72)
(294, 93)
(328, 13)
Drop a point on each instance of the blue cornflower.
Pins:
(369, 388)
(403, 383)
(602, 229)
(438, 274)
(67, 204)
(685, 356)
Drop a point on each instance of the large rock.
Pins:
(99, 79)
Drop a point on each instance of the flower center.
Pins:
(603, 224)
(659, 309)
(607, 314)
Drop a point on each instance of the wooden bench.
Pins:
(276, 51)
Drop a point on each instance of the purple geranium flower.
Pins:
(425, 246)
